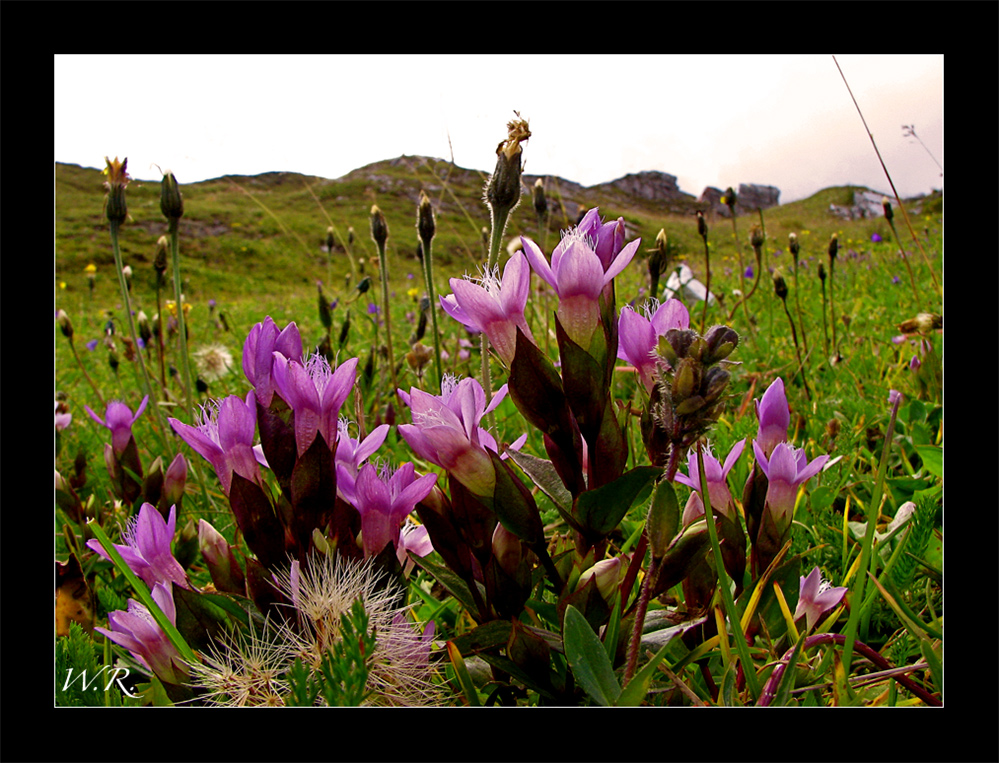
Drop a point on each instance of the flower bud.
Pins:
(780, 287)
(145, 329)
(793, 245)
(65, 324)
(886, 205)
(833, 246)
(756, 236)
(721, 341)
(379, 228)
(729, 199)
(715, 381)
(330, 242)
(426, 226)
(160, 259)
(702, 226)
(608, 574)
(115, 207)
(540, 202)
(822, 273)
(685, 380)
(171, 202)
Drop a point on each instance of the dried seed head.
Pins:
(503, 188)
(756, 236)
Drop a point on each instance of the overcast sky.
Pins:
(782, 120)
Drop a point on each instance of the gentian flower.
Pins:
(578, 274)
(351, 454)
(716, 476)
(224, 437)
(262, 342)
(146, 549)
(119, 420)
(787, 469)
(315, 393)
(494, 306)
(638, 334)
(384, 500)
(774, 416)
(137, 631)
(816, 597)
(62, 418)
(446, 431)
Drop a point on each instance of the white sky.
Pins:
(782, 120)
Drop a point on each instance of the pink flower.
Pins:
(578, 274)
(786, 469)
(262, 342)
(351, 454)
(315, 393)
(446, 431)
(638, 334)
(384, 500)
(137, 630)
(493, 306)
(224, 437)
(146, 549)
(716, 476)
(119, 420)
(816, 597)
(774, 416)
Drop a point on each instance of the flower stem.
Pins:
(147, 386)
(185, 362)
(867, 559)
(748, 668)
(143, 593)
(383, 271)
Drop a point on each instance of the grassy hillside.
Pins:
(254, 237)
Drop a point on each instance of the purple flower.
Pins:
(749, 272)
(351, 454)
(62, 420)
(262, 342)
(119, 420)
(137, 630)
(146, 549)
(894, 397)
(787, 469)
(875, 237)
(494, 306)
(638, 334)
(716, 476)
(224, 437)
(384, 500)
(446, 431)
(774, 417)
(816, 597)
(315, 393)
(579, 272)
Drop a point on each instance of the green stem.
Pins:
(428, 274)
(499, 221)
(867, 560)
(748, 668)
(383, 268)
(147, 386)
(185, 362)
(143, 593)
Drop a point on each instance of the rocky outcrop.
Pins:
(865, 204)
(749, 198)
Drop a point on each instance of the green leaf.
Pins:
(664, 518)
(464, 677)
(932, 457)
(602, 509)
(588, 659)
(634, 693)
(543, 474)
